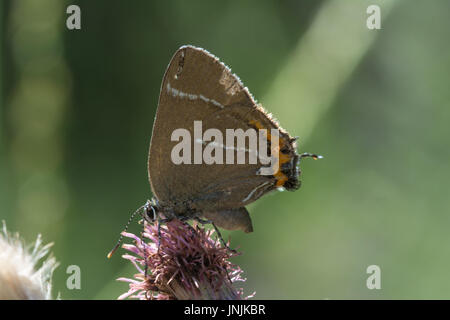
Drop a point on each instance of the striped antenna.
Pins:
(126, 228)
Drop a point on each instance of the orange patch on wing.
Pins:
(282, 158)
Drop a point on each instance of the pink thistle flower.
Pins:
(190, 264)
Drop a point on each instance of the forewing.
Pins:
(197, 86)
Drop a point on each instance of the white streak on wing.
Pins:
(254, 190)
(223, 146)
(183, 95)
(214, 102)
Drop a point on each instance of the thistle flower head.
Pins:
(189, 264)
(19, 278)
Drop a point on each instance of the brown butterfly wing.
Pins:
(197, 86)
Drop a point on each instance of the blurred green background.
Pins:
(77, 109)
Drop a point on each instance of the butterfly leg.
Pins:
(184, 221)
(219, 235)
(165, 220)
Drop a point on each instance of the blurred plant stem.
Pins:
(321, 64)
(36, 116)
